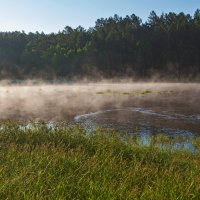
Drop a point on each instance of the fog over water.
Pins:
(170, 106)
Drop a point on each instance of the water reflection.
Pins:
(174, 142)
(145, 123)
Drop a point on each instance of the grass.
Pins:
(138, 92)
(146, 91)
(100, 92)
(126, 93)
(168, 92)
(142, 92)
(67, 163)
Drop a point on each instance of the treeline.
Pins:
(165, 46)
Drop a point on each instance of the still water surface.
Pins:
(146, 122)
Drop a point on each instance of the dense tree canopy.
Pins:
(164, 46)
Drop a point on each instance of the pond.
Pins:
(146, 122)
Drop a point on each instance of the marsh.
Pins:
(170, 108)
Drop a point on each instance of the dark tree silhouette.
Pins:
(167, 45)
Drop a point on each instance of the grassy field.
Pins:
(67, 163)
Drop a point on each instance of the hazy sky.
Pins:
(54, 15)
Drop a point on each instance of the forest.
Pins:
(166, 46)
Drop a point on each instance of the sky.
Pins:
(53, 15)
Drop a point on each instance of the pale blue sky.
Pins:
(54, 15)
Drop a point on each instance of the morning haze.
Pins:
(99, 99)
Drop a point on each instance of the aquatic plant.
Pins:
(126, 93)
(147, 91)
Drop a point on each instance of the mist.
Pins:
(62, 102)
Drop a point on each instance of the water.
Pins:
(134, 120)
(145, 122)
(168, 108)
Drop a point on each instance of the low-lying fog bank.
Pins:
(63, 102)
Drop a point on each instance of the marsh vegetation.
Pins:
(86, 114)
(68, 163)
(79, 151)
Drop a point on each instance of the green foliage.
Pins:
(147, 91)
(67, 163)
(167, 45)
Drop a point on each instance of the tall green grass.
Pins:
(67, 163)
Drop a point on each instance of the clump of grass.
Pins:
(126, 93)
(115, 92)
(170, 92)
(143, 92)
(100, 92)
(147, 91)
(109, 91)
(196, 143)
(68, 163)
